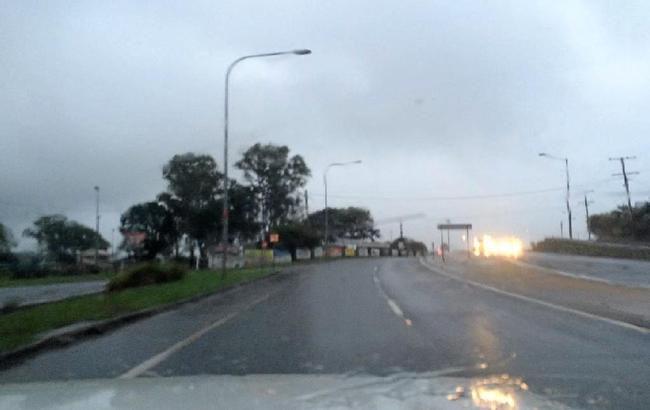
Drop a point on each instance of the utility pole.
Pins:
(401, 230)
(587, 202)
(448, 242)
(97, 225)
(568, 198)
(561, 229)
(625, 179)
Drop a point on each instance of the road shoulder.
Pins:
(607, 301)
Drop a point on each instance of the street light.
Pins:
(224, 238)
(333, 164)
(568, 203)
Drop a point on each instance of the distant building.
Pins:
(87, 257)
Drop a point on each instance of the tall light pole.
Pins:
(224, 237)
(568, 190)
(333, 164)
(112, 244)
(96, 224)
(587, 202)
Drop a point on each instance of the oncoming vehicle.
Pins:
(510, 247)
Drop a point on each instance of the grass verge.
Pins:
(6, 281)
(587, 248)
(21, 327)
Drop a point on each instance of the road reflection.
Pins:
(493, 393)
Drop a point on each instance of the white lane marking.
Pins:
(578, 276)
(162, 356)
(391, 303)
(539, 302)
(395, 308)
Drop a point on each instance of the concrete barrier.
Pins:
(281, 256)
(257, 257)
(334, 251)
(303, 254)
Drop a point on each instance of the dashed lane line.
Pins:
(391, 303)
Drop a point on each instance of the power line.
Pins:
(457, 197)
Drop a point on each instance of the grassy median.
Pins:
(22, 326)
(593, 248)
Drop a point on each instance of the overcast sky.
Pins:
(440, 99)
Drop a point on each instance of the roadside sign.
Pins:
(274, 237)
(455, 226)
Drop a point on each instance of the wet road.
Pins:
(628, 272)
(29, 295)
(375, 316)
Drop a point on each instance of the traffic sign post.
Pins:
(273, 238)
(453, 227)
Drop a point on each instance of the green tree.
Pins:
(410, 245)
(7, 241)
(61, 239)
(156, 222)
(193, 183)
(243, 210)
(351, 222)
(619, 224)
(174, 209)
(297, 235)
(275, 178)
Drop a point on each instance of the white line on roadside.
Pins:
(577, 276)
(162, 356)
(539, 302)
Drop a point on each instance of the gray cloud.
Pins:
(438, 99)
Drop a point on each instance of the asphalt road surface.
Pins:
(376, 316)
(29, 295)
(627, 272)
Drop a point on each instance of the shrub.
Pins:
(146, 274)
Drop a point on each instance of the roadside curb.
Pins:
(13, 357)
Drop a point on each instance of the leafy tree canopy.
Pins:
(297, 235)
(193, 183)
(62, 238)
(193, 179)
(410, 245)
(7, 240)
(351, 222)
(157, 222)
(275, 178)
(620, 225)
